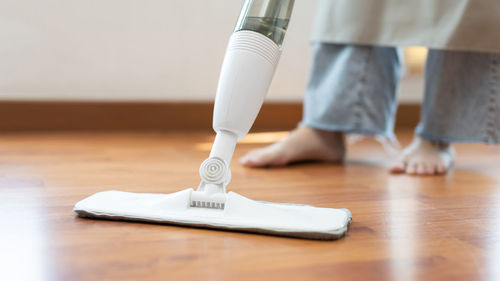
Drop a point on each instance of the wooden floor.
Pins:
(404, 228)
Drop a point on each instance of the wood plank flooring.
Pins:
(404, 227)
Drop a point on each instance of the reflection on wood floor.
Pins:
(404, 227)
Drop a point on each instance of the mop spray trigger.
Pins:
(211, 192)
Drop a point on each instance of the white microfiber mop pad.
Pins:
(239, 214)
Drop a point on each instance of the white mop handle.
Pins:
(247, 71)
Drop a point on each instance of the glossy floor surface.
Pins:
(404, 227)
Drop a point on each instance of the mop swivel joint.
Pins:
(211, 193)
(214, 170)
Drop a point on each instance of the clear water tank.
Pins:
(267, 17)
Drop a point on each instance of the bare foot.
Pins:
(302, 144)
(423, 157)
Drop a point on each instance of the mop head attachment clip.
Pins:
(211, 193)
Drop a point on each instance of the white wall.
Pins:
(132, 49)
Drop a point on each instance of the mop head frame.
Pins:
(239, 214)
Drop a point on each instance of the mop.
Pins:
(251, 58)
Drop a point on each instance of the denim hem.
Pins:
(450, 140)
(348, 130)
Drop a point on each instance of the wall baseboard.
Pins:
(21, 116)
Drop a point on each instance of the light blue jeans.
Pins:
(352, 89)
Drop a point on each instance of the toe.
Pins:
(246, 161)
(411, 169)
(243, 160)
(430, 169)
(398, 167)
(262, 158)
(440, 169)
(252, 159)
(421, 169)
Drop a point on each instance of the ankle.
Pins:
(441, 145)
